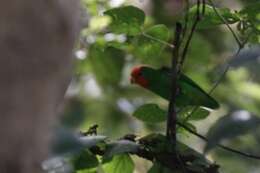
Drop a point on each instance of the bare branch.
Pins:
(193, 28)
(172, 115)
(220, 145)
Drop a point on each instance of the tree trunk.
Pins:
(36, 42)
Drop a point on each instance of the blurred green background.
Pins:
(101, 93)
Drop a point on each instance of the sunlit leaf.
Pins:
(194, 113)
(98, 23)
(127, 20)
(186, 124)
(119, 164)
(230, 126)
(199, 114)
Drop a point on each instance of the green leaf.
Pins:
(119, 164)
(150, 113)
(199, 114)
(128, 20)
(194, 161)
(230, 126)
(151, 43)
(158, 168)
(106, 63)
(252, 13)
(194, 113)
(120, 147)
(211, 19)
(85, 160)
(252, 10)
(156, 143)
(188, 125)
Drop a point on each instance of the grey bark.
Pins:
(36, 43)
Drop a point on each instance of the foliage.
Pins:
(126, 35)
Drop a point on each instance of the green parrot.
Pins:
(159, 82)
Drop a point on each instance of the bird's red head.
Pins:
(138, 78)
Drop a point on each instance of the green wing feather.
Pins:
(190, 93)
(197, 96)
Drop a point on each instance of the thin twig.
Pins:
(228, 64)
(158, 40)
(226, 23)
(219, 145)
(186, 19)
(172, 115)
(203, 7)
(221, 78)
(193, 28)
(241, 45)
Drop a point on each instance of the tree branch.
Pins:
(172, 115)
(169, 159)
(219, 145)
(197, 19)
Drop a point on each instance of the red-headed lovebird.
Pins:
(159, 82)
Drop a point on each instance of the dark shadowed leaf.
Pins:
(196, 162)
(85, 160)
(127, 20)
(150, 113)
(158, 168)
(230, 126)
(119, 164)
(251, 13)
